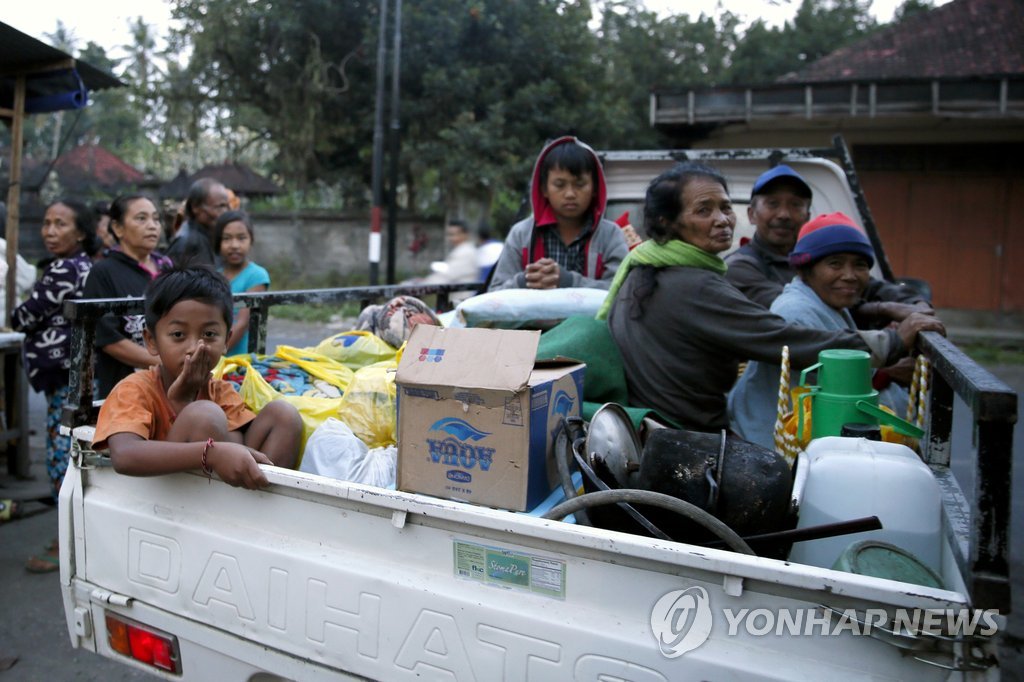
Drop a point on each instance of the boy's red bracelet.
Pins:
(206, 449)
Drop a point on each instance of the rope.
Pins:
(915, 385)
(785, 443)
(922, 394)
(919, 387)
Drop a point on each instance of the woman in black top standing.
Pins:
(126, 271)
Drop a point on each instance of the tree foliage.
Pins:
(290, 87)
(911, 8)
(641, 54)
(484, 85)
(766, 53)
(293, 72)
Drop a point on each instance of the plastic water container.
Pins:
(849, 478)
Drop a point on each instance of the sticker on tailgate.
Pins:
(511, 570)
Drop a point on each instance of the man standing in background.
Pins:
(460, 265)
(193, 244)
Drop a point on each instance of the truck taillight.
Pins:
(143, 644)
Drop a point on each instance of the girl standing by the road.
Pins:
(233, 238)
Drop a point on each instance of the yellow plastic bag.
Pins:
(319, 366)
(368, 406)
(793, 441)
(355, 349)
(889, 435)
(256, 393)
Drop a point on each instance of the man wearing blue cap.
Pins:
(780, 203)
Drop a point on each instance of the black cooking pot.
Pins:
(746, 486)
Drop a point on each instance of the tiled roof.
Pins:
(90, 166)
(962, 39)
(237, 177)
(177, 187)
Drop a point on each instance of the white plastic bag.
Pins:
(334, 451)
(518, 308)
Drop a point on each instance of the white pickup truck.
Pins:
(319, 579)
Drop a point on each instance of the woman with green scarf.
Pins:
(682, 328)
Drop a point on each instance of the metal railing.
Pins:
(85, 313)
(980, 524)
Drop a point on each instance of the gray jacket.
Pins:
(605, 252)
(682, 350)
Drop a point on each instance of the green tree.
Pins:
(910, 8)
(285, 71)
(823, 26)
(764, 54)
(484, 86)
(642, 54)
(112, 119)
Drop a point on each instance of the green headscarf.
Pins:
(672, 253)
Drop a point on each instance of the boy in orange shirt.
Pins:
(175, 416)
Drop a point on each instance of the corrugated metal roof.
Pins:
(48, 70)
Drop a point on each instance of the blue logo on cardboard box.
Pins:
(563, 403)
(459, 476)
(454, 450)
(561, 406)
(431, 354)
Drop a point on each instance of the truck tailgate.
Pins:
(389, 585)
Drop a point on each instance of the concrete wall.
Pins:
(311, 247)
(320, 246)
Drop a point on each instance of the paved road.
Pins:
(34, 629)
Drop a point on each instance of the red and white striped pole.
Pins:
(378, 150)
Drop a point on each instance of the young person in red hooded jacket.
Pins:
(566, 242)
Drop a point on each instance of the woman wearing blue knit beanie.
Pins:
(833, 259)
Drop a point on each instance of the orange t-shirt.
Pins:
(139, 405)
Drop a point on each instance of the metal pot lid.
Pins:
(612, 444)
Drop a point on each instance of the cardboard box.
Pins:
(477, 418)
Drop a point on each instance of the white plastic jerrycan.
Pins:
(849, 478)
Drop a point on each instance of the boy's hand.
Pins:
(237, 465)
(194, 379)
(543, 274)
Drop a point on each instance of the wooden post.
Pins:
(13, 195)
